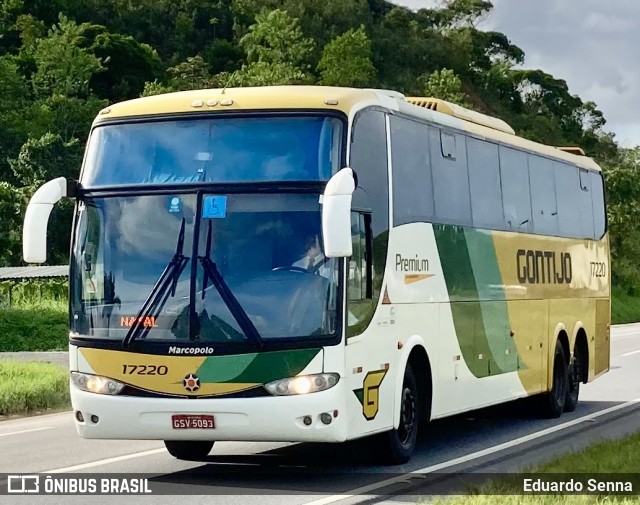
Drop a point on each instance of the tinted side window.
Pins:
(359, 276)
(585, 209)
(515, 189)
(450, 178)
(484, 180)
(412, 187)
(597, 197)
(543, 196)
(568, 194)
(369, 159)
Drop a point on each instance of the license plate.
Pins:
(192, 421)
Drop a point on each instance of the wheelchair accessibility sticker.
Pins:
(214, 207)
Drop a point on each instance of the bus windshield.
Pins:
(236, 268)
(219, 149)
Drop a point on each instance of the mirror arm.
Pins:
(72, 188)
(34, 232)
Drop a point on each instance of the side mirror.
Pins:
(34, 231)
(336, 214)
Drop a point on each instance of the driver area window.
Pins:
(360, 300)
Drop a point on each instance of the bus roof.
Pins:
(256, 98)
(498, 134)
(327, 98)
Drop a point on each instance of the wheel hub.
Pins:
(407, 416)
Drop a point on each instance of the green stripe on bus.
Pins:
(478, 308)
(257, 368)
(493, 305)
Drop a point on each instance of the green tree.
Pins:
(346, 60)
(446, 85)
(276, 37)
(65, 66)
(261, 73)
(457, 13)
(13, 95)
(10, 225)
(623, 200)
(40, 160)
(277, 52)
(127, 64)
(190, 74)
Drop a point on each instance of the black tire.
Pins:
(192, 450)
(553, 402)
(397, 445)
(573, 382)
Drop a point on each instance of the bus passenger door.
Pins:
(368, 374)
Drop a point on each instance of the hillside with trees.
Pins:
(61, 61)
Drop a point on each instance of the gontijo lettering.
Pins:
(543, 267)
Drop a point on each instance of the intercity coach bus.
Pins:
(316, 264)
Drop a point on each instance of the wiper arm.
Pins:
(166, 285)
(239, 314)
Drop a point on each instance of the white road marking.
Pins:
(107, 461)
(631, 353)
(25, 431)
(469, 457)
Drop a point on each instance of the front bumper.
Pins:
(274, 418)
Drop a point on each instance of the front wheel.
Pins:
(192, 450)
(398, 444)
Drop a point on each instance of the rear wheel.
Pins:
(553, 402)
(573, 382)
(398, 444)
(188, 450)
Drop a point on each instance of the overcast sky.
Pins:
(594, 45)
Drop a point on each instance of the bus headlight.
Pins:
(96, 384)
(302, 384)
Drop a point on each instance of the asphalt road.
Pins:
(503, 439)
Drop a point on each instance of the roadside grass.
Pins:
(609, 457)
(624, 307)
(28, 387)
(41, 327)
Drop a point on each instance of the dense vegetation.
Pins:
(34, 315)
(32, 388)
(63, 60)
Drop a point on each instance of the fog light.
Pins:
(325, 418)
(79, 417)
(95, 419)
(306, 420)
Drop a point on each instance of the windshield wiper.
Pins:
(165, 285)
(212, 273)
